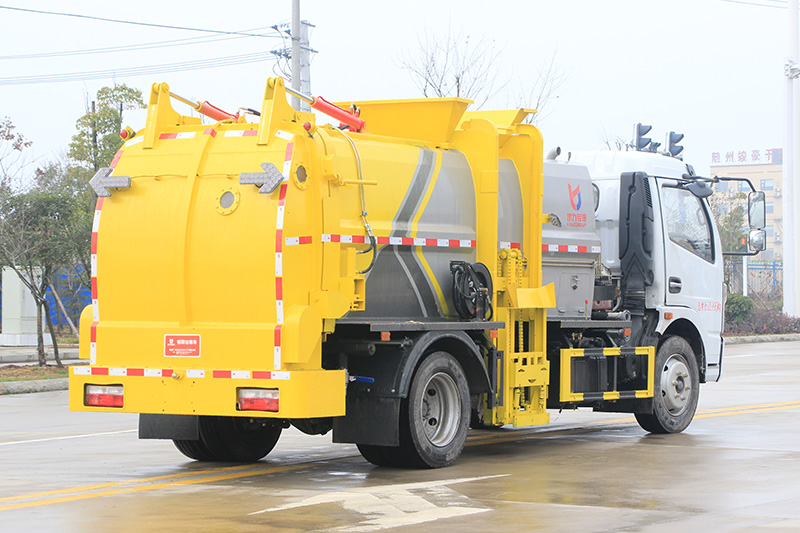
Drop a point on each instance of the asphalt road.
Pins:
(736, 468)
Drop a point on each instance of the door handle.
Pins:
(675, 285)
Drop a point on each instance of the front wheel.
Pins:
(435, 416)
(676, 388)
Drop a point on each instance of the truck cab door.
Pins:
(693, 262)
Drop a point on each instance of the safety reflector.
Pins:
(258, 400)
(103, 395)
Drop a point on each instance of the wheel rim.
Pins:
(676, 385)
(440, 408)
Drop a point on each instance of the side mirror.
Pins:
(758, 239)
(757, 211)
(700, 189)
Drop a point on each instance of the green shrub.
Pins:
(738, 308)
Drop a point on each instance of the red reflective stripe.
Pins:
(473, 244)
(94, 288)
(168, 136)
(408, 241)
(515, 246)
(336, 238)
(99, 204)
(96, 371)
(211, 131)
(582, 249)
(166, 372)
(289, 150)
(383, 240)
(135, 372)
(249, 133)
(282, 197)
(116, 159)
(305, 240)
(93, 332)
(279, 288)
(277, 339)
(94, 243)
(262, 374)
(431, 242)
(222, 373)
(359, 239)
(455, 243)
(278, 241)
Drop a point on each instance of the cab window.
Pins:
(686, 221)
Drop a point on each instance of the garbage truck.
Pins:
(414, 271)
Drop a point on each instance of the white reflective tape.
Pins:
(234, 133)
(82, 371)
(596, 249)
(96, 310)
(278, 264)
(285, 135)
(287, 168)
(96, 221)
(505, 245)
(346, 238)
(552, 247)
(572, 248)
(395, 241)
(136, 140)
(276, 360)
(419, 242)
(185, 135)
(326, 237)
(292, 241)
(93, 353)
(279, 311)
(240, 374)
(443, 242)
(117, 371)
(195, 373)
(465, 243)
(279, 375)
(93, 260)
(279, 221)
(153, 372)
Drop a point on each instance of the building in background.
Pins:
(764, 169)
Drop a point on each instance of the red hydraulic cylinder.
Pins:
(214, 112)
(334, 111)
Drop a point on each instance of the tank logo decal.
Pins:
(181, 135)
(570, 248)
(190, 373)
(575, 197)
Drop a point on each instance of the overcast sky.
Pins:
(710, 69)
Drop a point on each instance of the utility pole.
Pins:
(296, 51)
(791, 167)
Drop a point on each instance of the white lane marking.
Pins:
(68, 437)
(390, 506)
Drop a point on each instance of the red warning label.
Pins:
(181, 345)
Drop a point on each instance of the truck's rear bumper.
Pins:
(303, 394)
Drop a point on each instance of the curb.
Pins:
(750, 339)
(37, 385)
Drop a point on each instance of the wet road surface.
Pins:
(735, 468)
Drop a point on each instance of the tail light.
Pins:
(103, 395)
(258, 400)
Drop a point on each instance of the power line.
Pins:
(138, 71)
(102, 19)
(133, 47)
(781, 3)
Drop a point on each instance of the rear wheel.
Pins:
(676, 388)
(231, 439)
(435, 415)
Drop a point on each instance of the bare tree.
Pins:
(550, 79)
(12, 157)
(613, 141)
(455, 64)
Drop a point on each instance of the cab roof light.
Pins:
(258, 400)
(104, 395)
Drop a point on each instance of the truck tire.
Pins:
(382, 455)
(434, 418)
(231, 439)
(676, 388)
